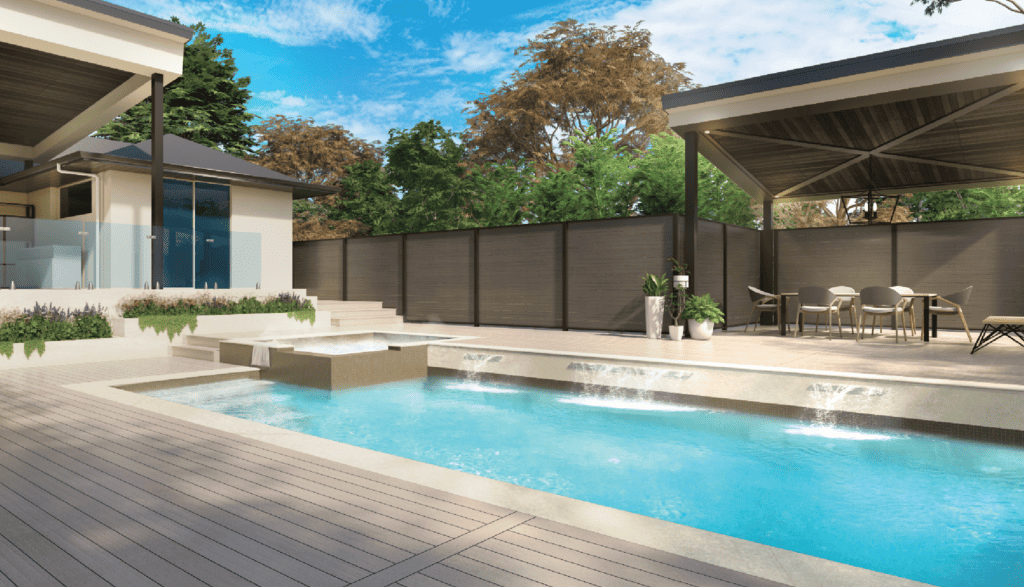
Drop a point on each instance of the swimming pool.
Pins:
(931, 509)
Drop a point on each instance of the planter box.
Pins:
(65, 352)
(231, 323)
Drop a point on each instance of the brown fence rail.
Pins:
(587, 275)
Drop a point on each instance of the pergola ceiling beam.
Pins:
(821, 175)
(790, 142)
(728, 165)
(936, 162)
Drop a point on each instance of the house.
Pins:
(76, 209)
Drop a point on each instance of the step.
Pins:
(212, 342)
(363, 315)
(360, 322)
(335, 305)
(195, 352)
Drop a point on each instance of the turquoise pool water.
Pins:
(931, 509)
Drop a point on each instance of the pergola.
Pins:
(68, 67)
(939, 115)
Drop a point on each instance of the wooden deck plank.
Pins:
(515, 566)
(21, 569)
(264, 498)
(177, 534)
(229, 529)
(419, 580)
(343, 477)
(650, 574)
(65, 552)
(474, 568)
(445, 573)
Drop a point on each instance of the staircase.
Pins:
(204, 348)
(359, 314)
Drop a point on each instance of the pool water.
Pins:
(931, 509)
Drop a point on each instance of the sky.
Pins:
(371, 66)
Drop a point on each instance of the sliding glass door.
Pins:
(197, 235)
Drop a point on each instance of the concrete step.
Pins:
(336, 305)
(363, 322)
(202, 353)
(364, 314)
(212, 342)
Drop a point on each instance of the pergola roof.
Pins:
(938, 115)
(69, 66)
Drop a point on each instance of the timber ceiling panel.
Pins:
(889, 174)
(780, 166)
(41, 92)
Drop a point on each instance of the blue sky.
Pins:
(373, 66)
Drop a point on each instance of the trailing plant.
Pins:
(655, 285)
(303, 315)
(6, 348)
(172, 324)
(678, 269)
(701, 308)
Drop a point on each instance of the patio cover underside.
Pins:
(934, 116)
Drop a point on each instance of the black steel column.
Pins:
(725, 276)
(404, 275)
(157, 178)
(565, 276)
(767, 255)
(690, 212)
(344, 270)
(476, 277)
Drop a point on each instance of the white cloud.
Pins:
(738, 39)
(287, 22)
(472, 52)
(439, 8)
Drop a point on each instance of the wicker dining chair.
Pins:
(881, 301)
(763, 302)
(956, 303)
(818, 300)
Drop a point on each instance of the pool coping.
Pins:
(768, 562)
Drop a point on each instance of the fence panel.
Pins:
(946, 257)
(607, 262)
(521, 276)
(440, 274)
(744, 270)
(710, 260)
(854, 256)
(317, 268)
(375, 270)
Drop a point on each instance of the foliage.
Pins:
(678, 269)
(501, 194)
(933, 6)
(6, 348)
(655, 285)
(51, 323)
(303, 315)
(659, 185)
(966, 204)
(674, 301)
(310, 153)
(369, 198)
(172, 324)
(579, 76)
(206, 105)
(592, 188)
(701, 308)
(207, 305)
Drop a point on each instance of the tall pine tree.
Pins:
(206, 105)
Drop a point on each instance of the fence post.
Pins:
(565, 276)
(344, 270)
(725, 276)
(476, 277)
(405, 313)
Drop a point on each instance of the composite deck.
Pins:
(96, 493)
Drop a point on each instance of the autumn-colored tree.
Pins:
(579, 76)
(933, 6)
(206, 105)
(314, 154)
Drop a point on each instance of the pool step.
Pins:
(212, 342)
(203, 353)
(365, 321)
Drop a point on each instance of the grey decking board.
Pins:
(439, 553)
(4, 580)
(615, 562)
(419, 580)
(130, 550)
(182, 534)
(41, 540)
(232, 529)
(446, 574)
(21, 569)
(464, 507)
(474, 568)
(227, 484)
(509, 564)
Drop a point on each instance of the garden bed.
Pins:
(130, 328)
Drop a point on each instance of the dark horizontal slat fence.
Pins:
(440, 277)
(742, 270)
(374, 271)
(521, 276)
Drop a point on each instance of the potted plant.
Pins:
(702, 314)
(675, 300)
(654, 304)
(680, 278)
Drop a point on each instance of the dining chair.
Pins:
(908, 307)
(956, 303)
(763, 302)
(881, 301)
(818, 300)
(846, 304)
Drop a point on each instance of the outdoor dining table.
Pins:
(931, 299)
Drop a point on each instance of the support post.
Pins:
(725, 276)
(157, 179)
(476, 277)
(768, 255)
(344, 270)
(690, 209)
(565, 276)
(405, 274)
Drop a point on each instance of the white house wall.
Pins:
(268, 213)
(125, 202)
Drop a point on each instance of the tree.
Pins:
(933, 6)
(206, 105)
(501, 194)
(995, 202)
(659, 185)
(310, 153)
(368, 197)
(580, 76)
(592, 187)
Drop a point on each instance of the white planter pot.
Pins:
(654, 312)
(675, 332)
(681, 281)
(701, 330)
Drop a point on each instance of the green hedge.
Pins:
(205, 305)
(43, 323)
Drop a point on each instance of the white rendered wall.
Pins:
(269, 213)
(125, 203)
